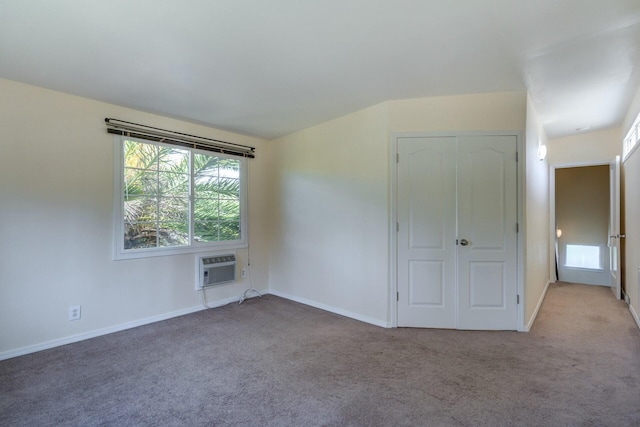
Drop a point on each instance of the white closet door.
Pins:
(426, 210)
(487, 220)
(457, 240)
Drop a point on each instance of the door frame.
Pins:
(552, 208)
(393, 214)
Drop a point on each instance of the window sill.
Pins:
(155, 252)
(591, 270)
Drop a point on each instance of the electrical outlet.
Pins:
(244, 273)
(74, 312)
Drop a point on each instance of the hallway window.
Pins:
(583, 256)
(631, 140)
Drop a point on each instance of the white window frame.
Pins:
(119, 253)
(630, 141)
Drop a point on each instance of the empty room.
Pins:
(319, 213)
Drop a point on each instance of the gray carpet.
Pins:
(272, 362)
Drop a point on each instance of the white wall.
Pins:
(330, 215)
(536, 226)
(56, 193)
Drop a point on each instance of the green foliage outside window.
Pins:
(157, 207)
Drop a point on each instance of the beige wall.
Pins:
(330, 244)
(318, 223)
(536, 222)
(582, 204)
(586, 148)
(477, 112)
(56, 175)
(332, 205)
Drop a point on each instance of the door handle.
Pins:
(464, 242)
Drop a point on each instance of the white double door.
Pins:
(457, 232)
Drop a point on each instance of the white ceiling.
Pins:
(270, 67)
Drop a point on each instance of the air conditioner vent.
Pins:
(215, 270)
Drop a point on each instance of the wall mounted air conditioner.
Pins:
(215, 270)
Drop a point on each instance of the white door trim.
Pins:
(393, 215)
(552, 209)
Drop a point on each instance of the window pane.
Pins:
(230, 168)
(206, 210)
(229, 231)
(140, 208)
(140, 181)
(140, 155)
(173, 209)
(173, 234)
(212, 231)
(206, 231)
(583, 256)
(206, 186)
(229, 186)
(206, 194)
(205, 165)
(229, 210)
(173, 160)
(139, 235)
(173, 184)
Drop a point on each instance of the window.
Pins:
(631, 140)
(172, 200)
(583, 256)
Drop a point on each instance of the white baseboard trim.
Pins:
(528, 326)
(635, 315)
(335, 310)
(117, 328)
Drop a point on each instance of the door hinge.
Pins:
(517, 299)
(397, 227)
(517, 159)
(397, 296)
(517, 227)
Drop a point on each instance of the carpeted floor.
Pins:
(272, 362)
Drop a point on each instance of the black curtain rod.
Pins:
(109, 120)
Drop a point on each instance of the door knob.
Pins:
(464, 242)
